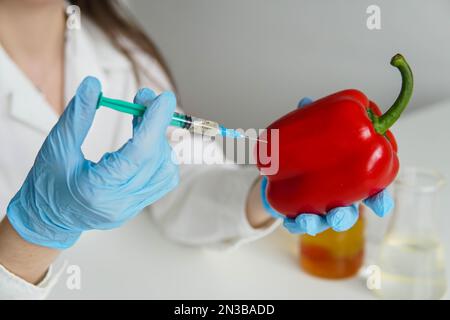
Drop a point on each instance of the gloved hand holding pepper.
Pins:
(332, 153)
(339, 218)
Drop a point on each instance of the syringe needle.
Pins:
(256, 139)
(235, 134)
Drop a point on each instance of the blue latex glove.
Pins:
(64, 194)
(339, 219)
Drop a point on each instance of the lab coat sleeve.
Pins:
(208, 207)
(13, 287)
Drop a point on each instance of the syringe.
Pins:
(184, 121)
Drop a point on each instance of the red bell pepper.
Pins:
(335, 151)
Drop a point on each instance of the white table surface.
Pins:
(136, 262)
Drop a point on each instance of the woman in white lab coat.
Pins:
(42, 61)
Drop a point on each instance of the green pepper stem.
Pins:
(385, 121)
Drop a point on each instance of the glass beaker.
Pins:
(333, 255)
(411, 258)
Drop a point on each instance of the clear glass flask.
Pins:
(411, 257)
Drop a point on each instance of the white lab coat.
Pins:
(195, 213)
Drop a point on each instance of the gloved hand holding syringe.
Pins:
(179, 120)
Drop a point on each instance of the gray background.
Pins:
(246, 62)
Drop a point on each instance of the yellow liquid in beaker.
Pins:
(332, 254)
(411, 268)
